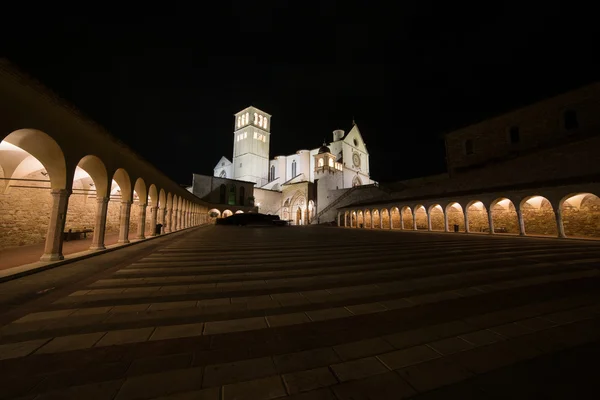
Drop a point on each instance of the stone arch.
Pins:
(227, 213)
(395, 219)
(36, 164)
(406, 220)
(123, 185)
(538, 216)
(242, 195)
(436, 215)
(239, 212)
(421, 217)
(504, 216)
(376, 219)
(90, 183)
(477, 216)
(138, 206)
(456, 216)
(385, 218)
(152, 195)
(231, 196)
(356, 181)
(44, 148)
(368, 219)
(581, 215)
(213, 214)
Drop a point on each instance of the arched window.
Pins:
(242, 195)
(272, 174)
(331, 162)
(321, 162)
(232, 195)
(356, 181)
(222, 194)
(293, 168)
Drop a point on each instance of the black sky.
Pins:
(168, 84)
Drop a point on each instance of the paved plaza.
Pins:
(317, 313)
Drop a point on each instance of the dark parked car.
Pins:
(250, 219)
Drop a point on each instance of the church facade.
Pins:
(298, 187)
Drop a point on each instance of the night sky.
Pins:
(168, 85)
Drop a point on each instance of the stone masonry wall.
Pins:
(24, 211)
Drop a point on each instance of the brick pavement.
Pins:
(315, 313)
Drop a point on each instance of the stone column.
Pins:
(466, 214)
(521, 221)
(100, 225)
(124, 222)
(153, 219)
(429, 221)
(174, 226)
(559, 222)
(446, 227)
(58, 215)
(414, 215)
(141, 233)
(490, 221)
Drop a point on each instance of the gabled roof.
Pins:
(223, 160)
(355, 134)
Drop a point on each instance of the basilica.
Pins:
(299, 187)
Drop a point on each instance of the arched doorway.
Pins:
(385, 217)
(504, 216)
(456, 217)
(376, 219)
(407, 218)
(478, 217)
(227, 213)
(368, 219)
(436, 214)
(394, 219)
(298, 216)
(581, 215)
(538, 216)
(421, 218)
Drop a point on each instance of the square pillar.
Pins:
(100, 225)
(58, 216)
(142, 222)
(490, 220)
(559, 222)
(124, 222)
(153, 219)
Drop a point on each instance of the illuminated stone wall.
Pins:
(385, 219)
(539, 220)
(422, 219)
(24, 211)
(407, 219)
(456, 217)
(437, 219)
(478, 219)
(582, 220)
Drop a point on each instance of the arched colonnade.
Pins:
(566, 212)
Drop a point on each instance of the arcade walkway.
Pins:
(308, 313)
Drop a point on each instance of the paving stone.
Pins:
(287, 319)
(214, 302)
(92, 391)
(150, 365)
(79, 293)
(432, 374)
(482, 337)
(328, 313)
(125, 336)
(387, 386)
(71, 342)
(483, 359)
(20, 349)
(259, 389)
(404, 358)
(319, 394)
(413, 337)
(245, 370)
(235, 325)
(362, 348)
(536, 324)
(450, 345)
(130, 308)
(161, 384)
(368, 308)
(357, 369)
(309, 380)
(91, 311)
(177, 331)
(511, 330)
(204, 394)
(170, 305)
(290, 299)
(309, 359)
(396, 304)
(44, 315)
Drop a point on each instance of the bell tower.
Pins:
(251, 138)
